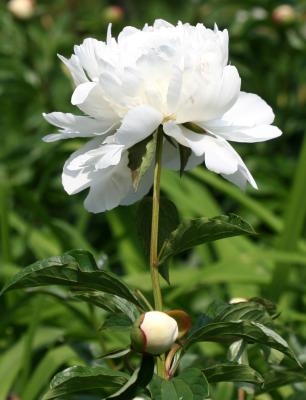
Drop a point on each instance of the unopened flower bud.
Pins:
(283, 14)
(154, 333)
(22, 9)
(113, 14)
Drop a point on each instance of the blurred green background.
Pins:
(43, 331)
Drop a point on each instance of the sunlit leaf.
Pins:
(66, 270)
(86, 380)
(202, 230)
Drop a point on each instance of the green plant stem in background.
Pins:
(158, 302)
(293, 226)
(5, 241)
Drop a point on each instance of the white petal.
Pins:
(109, 187)
(218, 157)
(259, 133)
(81, 92)
(110, 155)
(249, 110)
(74, 126)
(247, 121)
(186, 137)
(88, 53)
(209, 98)
(137, 124)
(174, 89)
(77, 178)
(98, 107)
(75, 68)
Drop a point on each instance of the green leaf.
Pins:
(168, 221)
(109, 302)
(86, 380)
(51, 362)
(185, 153)
(138, 381)
(232, 372)
(116, 353)
(117, 321)
(191, 384)
(141, 156)
(281, 376)
(251, 332)
(66, 270)
(247, 311)
(202, 230)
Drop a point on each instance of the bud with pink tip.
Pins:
(154, 333)
(283, 14)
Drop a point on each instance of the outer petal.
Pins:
(87, 54)
(75, 68)
(219, 155)
(109, 188)
(74, 126)
(76, 178)
(247, 121)
(81, 92)
(249, 110)
(92, 102)
(137, 124)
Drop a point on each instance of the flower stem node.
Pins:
(154, 333)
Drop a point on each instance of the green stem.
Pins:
(155, 222)
(158, 302)
(293, 225)
(5, 239)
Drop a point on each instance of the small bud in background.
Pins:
(154, 333)
(259, 13)
(113, 14)
(236, 300)
(284, 14)
(22, 9)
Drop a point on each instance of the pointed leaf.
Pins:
(66, 271)
(191, 384)
(117, 321)
(109, 302)
(229, 332)
(85, 380)
(116, 353)
(141, 156)
(232, 372)
(282, 376)
(247, 311)
(203, 230)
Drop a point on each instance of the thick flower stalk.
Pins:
(174, 77)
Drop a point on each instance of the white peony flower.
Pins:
(174, 76)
